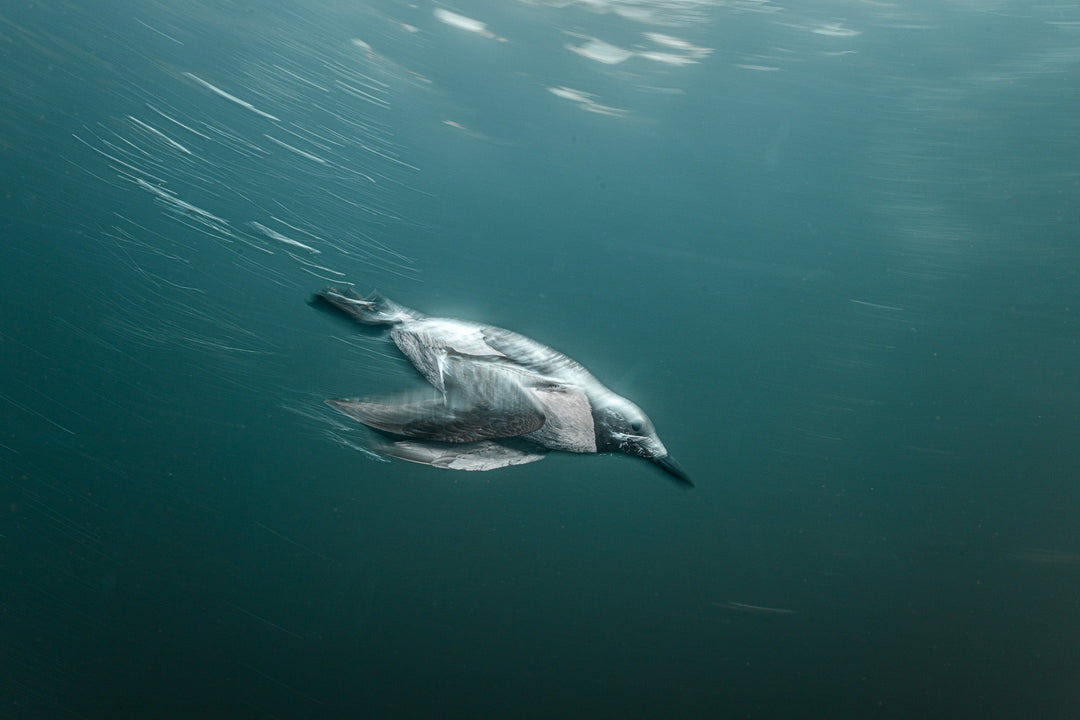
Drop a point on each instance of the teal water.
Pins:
(831, 250)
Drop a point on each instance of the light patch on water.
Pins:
(668, 58)
(685, 48)
(586, 101)
(601, 52)
(463, 23)
(571, 94)
(662, 13)
(836, 30)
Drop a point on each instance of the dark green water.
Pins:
(831, 251)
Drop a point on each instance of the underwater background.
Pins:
(830, 248)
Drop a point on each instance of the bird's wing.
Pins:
(476, 456)
(483, 400)
(435, 419)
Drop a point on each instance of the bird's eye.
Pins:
(636, 427)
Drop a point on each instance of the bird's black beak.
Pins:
(672, 468)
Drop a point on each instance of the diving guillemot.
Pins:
(497, 398)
